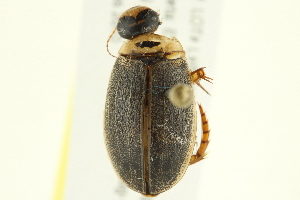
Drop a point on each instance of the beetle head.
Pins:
(136, 21)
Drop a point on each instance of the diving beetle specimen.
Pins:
(150, 111)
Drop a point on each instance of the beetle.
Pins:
(150, 111)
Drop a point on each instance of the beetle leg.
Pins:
(199, 74)
(200, 155)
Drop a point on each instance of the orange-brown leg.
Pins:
(199, 74)
(200, 155)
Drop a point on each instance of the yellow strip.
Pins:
(63, 162)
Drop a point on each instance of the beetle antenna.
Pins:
(108, 42)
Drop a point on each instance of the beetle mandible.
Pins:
(150, 111)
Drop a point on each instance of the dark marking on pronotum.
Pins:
(149, 44)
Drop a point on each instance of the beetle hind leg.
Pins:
(201, 152)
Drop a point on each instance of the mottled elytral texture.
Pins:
(149, 140)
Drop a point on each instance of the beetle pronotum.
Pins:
(150, 111)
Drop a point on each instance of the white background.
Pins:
(253, 111)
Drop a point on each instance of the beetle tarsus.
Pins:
(201, 152)
(199, 74)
